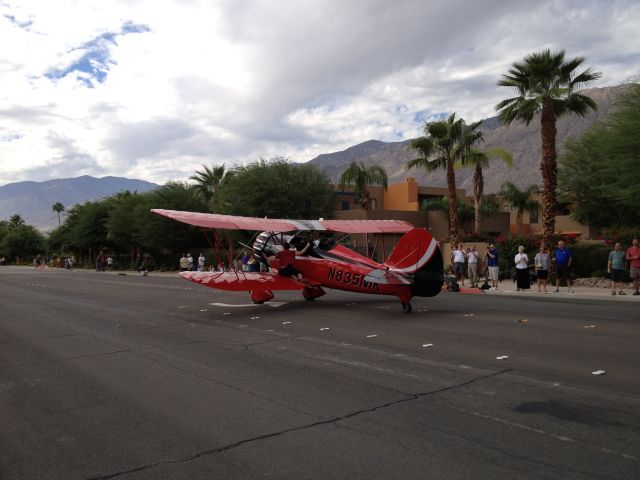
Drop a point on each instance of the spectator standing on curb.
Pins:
(616, 267)
(633, 256)
(201, 261)
(542, 268)
(457, 257)
(563, 260)
(522, 269)
(184, 263)
(189, 262)
(492, 258)
(472, 266)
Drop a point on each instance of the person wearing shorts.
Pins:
(492, 258)
(633, 257)
(563, 259)
(616, 267)
(542, 268)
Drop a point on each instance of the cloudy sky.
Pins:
(153, 89)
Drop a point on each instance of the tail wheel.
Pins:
(406, 307)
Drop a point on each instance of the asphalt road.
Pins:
(107, 376)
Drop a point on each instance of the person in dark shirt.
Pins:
(492, 261)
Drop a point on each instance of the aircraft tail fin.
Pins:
(418, 254)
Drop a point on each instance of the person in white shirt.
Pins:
(201, 263)
(472, 266)
(457, 256)
(522, 269)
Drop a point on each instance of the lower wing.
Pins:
(244, 281)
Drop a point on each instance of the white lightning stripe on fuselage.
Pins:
(420, 263)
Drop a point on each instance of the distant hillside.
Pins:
(521, 140)
(33, 200)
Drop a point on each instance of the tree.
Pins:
(520, 200)
(58, 207)
(362, 178)
(465, 211)
(22, 241)
(121, 222)
(445, 143)
(479, 159)
(599, 171)
(208, 182)
(278, 189)
(15, 222)
(546, 84)
(157, 234)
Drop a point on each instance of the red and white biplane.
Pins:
(414, 267)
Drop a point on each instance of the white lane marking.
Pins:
(598, 372)
(324, 328)
(372, 336)
(240, 305)
(561, 438)
(427, 345)
(365, 365)
(286, 323)
(502, 357)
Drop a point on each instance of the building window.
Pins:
(345, 204)
(533, 216)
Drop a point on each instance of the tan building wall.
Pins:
(532, 224)
(402, 196)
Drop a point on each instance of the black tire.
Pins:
(406, 307)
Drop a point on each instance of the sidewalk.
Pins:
(508, 288)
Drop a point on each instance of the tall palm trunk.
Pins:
(478, 188)
(520, 222)
(453, 203)
(549, 170)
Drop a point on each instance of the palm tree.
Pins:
(479, 159)
(446, 142)
(546, 83)
(15, 222)
(361, 178)
(208, 182)
(520, 200)
(58, 207)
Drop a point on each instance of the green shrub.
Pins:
(589, 259)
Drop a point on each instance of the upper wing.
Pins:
(244, 281)
(233, 222)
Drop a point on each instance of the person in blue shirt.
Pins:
(563, 260)
(616, 267)
(491, 258)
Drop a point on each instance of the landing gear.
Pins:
(406, 307)
(260, 296)
(311, 292)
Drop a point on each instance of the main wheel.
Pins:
(406, 307)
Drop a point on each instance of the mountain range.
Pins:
(33, 200)
(523, 141)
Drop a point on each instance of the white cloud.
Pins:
(154, 89)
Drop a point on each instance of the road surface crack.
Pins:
(279, 433)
